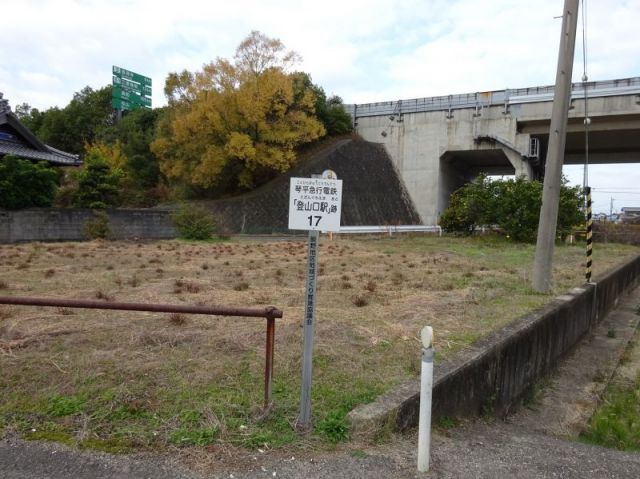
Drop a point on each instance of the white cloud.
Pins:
(362, 50)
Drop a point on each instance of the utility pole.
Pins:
(542, 267)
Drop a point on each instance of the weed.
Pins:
(50, 272)
(360, 301)
(616, 423)
(60, 406)
(177, 319)
(611, 333)
(489, 407)
(134, 281)
(334, 426)
(371, 286)
(111, 446)
(346, 285)
(98, 227)
(242, 286)
(445, 422)
(4, 285)
(397, 278)
(193, 287)
(65, 311)
(102, 295)
(204, 266)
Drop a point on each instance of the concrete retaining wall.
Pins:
(62, 224)
(495, 374)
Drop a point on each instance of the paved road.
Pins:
(477, 450)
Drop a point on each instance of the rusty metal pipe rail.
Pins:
(270, 314)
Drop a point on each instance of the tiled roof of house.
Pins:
(53, 156)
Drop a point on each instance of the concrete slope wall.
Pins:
(495, 373)
(372, 192)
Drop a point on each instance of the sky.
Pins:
(362, 50)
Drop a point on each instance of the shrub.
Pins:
(98, 227)
(193, 222)
(512, 205)
(98, 183)
(24, 184)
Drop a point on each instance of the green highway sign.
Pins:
(127, 83)
(131, 96)
(120, 104)
(126, 104)
(130, 90)
(128, 74)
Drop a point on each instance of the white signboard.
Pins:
(315, 204)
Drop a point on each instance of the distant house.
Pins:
(630, 213)
(16, 139)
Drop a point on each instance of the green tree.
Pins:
(469, 207)
(130, 138)
(82, 121)
(330, 111)
(98, 184)
(236, 119)
(24, 184)
(512, 205)
(516, 207)
(337, 121)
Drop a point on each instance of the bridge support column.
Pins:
(520, 164)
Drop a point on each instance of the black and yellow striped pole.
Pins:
(587, 191)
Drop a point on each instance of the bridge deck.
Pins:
(626, 86)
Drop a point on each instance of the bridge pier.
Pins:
(440, 143)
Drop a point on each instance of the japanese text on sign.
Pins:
(315, 204)
(311, 280)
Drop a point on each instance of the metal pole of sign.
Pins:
(304, 419)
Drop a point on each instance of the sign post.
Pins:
(314, 205)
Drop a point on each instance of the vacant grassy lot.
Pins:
(116, 381)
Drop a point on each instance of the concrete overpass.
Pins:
(440, 143)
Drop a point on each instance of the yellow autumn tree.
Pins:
(236, 117)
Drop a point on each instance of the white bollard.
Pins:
(426, 385)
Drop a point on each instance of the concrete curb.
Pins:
(496, 373)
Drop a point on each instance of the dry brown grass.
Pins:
(373, 298)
